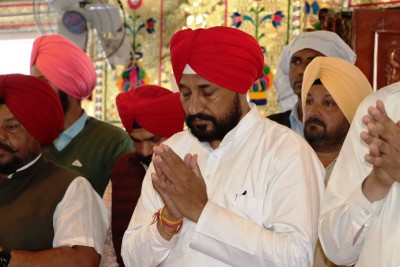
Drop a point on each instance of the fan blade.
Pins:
(63, 4)
(122, 54)
(104, 17)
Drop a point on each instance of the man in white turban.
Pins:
(289, 75)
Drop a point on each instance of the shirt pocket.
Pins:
(245, 206)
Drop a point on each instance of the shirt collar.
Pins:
(65, 137)
(25, 166)
(246, 123)
(76, 127)
(295, 123)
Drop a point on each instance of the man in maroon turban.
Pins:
(237, 189)
(150, 114)
(50, 215)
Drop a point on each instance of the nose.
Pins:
(195, 104)
(313, 110)
(145, 149)
(3, 135)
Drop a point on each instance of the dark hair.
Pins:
(64, 100)
(317, 82)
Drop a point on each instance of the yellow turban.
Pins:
(344, 81)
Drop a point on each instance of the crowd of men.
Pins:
(233, 189)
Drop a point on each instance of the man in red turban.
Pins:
(87, 145)
(50, 215)
(150, 114)
(238, 189)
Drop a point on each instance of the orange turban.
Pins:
(35, 104)
(64, 64)
(224, 56)
(156, 109)
(346, 83)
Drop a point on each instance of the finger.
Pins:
(366, 119)
(156, 163)
(173, 166)
(373, 129)
(157, 150)
(195, 166)
(378, 113)
(381, 107)
(378, 162)
(187, 159)
(366, 137)
(374, 150)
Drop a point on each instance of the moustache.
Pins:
(315, 120)
(200, 116)
(7, 148)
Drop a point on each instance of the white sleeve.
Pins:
(286, 237)
(109, 258)
(81, 217)
(345, 210)
(290, 209)
(152, 246)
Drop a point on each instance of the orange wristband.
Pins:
(167, 222)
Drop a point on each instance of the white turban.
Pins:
(347, 85)
(326, 42)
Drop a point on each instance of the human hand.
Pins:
(179, 182)
(383, 138)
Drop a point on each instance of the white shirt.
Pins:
(295, 123)
(81, 218)
(345, 209)
(264, 185)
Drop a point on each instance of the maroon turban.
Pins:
(35, 104)
(64, 64)
(156, 109)
(224, 56)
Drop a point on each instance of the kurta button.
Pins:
(367, 213)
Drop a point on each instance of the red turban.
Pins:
(35, 104)
(225, 56)
(156, 109)
(64, 64)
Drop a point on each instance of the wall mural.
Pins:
(150, 24)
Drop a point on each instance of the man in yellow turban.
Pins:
(331, 92)
(360, 214)
(50, 215)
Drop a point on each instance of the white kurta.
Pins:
(345, 209)
(264, 185)
(81, 218)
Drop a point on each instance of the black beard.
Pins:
(314, 139)
(13, 164)
(221, 127)
(64, 100)
(145, 160)
(322, 140)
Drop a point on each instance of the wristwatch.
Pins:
(5, 257)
